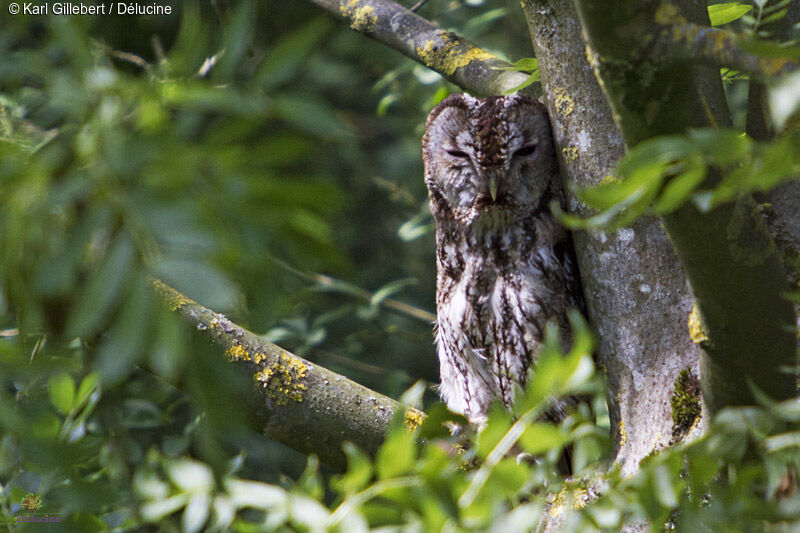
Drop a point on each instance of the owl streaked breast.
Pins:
(505, 266)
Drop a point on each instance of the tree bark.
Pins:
(737, 277)
(301, 404)
(455, 58)
(782, 204)
(636, 293)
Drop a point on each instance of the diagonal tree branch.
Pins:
(327, 282)
(701, 44)
(458, 60)
(302, 405)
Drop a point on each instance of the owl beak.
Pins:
(493, 184)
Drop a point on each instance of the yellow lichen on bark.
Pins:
(175, 300)
(445, 55)
(582, 498)
(570, 153)
(695, 325)
(362, 18)
(562, 101)
(623, 434)
(413, 418)
(557, 503)
(237, 352)
(283, 380)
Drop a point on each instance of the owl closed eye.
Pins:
(486, 155)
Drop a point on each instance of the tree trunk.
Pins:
(747, 320)
(638, 299)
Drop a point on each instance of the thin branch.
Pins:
(132, 59)
(301, 404)
(416, 7)
(455, 58)
(353, 363)
(328, 282)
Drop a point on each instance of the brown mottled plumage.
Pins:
(505, 266)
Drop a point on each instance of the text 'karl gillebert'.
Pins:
(107, 8)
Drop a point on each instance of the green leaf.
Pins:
(287, 56)
(359, 471)
(310, 482)
(89, 384)
(313, 116)
(62, 392)
(438, 420)
(506, 479)
(533, 78)
(254, 494)
(124, 344)
(191, 476)
(541, 437)
(103, 289)
(678, 188)
(396, 456)
(389, 289)
(664, 482)
(723, 147)
(701, 469)
(728, 12)
(154, 511)
(309, 512)
(415, 228)
(770, 49)
(526, 64)
(495, 429)
(196, 512)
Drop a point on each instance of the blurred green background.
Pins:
(232, 149)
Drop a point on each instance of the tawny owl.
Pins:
(505, 266)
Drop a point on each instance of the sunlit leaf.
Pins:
(397, 454)
(191, 476)
(541, 437)
(196, 512)
(728, 12)
(359, 471)
(62, 392)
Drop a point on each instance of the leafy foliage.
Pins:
(660, 174)
(236, 155)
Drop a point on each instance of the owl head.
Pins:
(488, 157)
